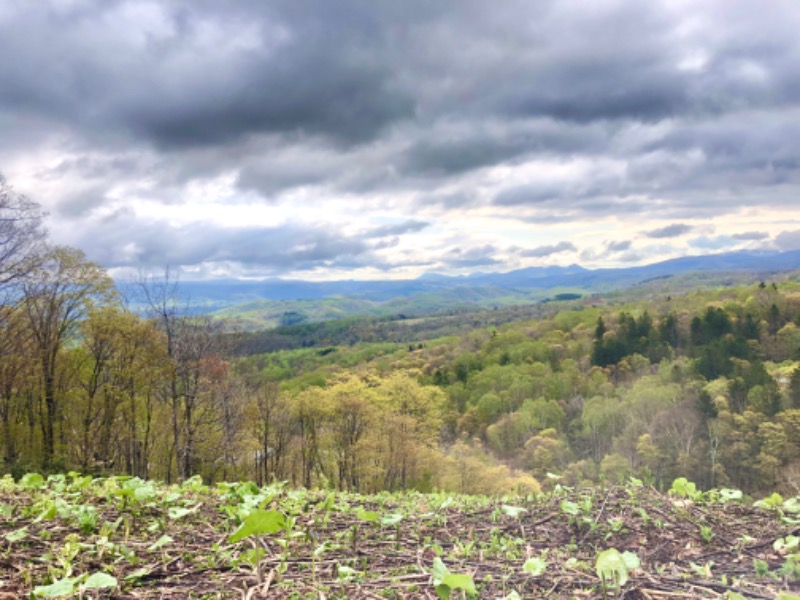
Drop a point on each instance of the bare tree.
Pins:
(56, 298)
(21, 236)
(194, 343)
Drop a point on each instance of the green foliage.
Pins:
(535, 566)
(684, 488)
(58, 589)
(99, 581)
(446, 582)
(259, 522)
(613, 567)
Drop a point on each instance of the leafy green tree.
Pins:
(58, 295)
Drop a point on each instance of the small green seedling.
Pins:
(535, 567)
(446, 582)
(259, 522)
(613, 567)
(683, 488)
(772, 502)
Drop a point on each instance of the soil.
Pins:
(685, 549)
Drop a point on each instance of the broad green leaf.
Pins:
(194, 483)
(792, 505)
(730, 495)
(773, 501)
(100, 581)
(512, 595)
(457, 581)
(345, 573)
(513, 511)
(64, 587)
(48, 513)
(786, 544)
(259, 522)
(328, 503)
(445, 581)
(18, 535)
(685, 489)
(439, 571)
(6, 510)
(734, 596)
(144, 493)
(534, 567)
(391, 519)
(253, 556)
(367, 515)
(178, 512)
(611, 568)
(631, 560)
(162, 541)
(787, 596)
(32, 481)
(570, 507)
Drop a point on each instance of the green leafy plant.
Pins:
(707, 533)
(535, 567)
(446, 582)
(613, 567)
(259, 522)
(683, 488)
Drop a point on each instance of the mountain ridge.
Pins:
(271, 299)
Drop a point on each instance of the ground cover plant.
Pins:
(121, 537)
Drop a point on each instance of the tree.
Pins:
(15, 375)
(194, 346)
(21, 236)
(272, 428)
(794, 389)
(58, 294)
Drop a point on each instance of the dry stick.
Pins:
(267, 583)
(719, 587)
(771, 541)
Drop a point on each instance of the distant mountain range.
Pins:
(271, 298)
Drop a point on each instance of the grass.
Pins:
(77, 536)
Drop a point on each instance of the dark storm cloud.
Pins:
(788, 240)
(619, 246)
(529, 195)
(410, 226)
(670, 111)
(480, 256)
(125, 240)
(548, 250)
(181, 74)
(670, 231)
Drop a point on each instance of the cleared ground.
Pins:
(126, 538)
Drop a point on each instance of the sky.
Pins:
(379, 139)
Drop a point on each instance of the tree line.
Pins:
(87, 384)
(704, 385)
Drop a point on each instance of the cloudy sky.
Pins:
(383, 139)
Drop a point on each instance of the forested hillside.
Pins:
(703, 385)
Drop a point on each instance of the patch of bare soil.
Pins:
(384, 547)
